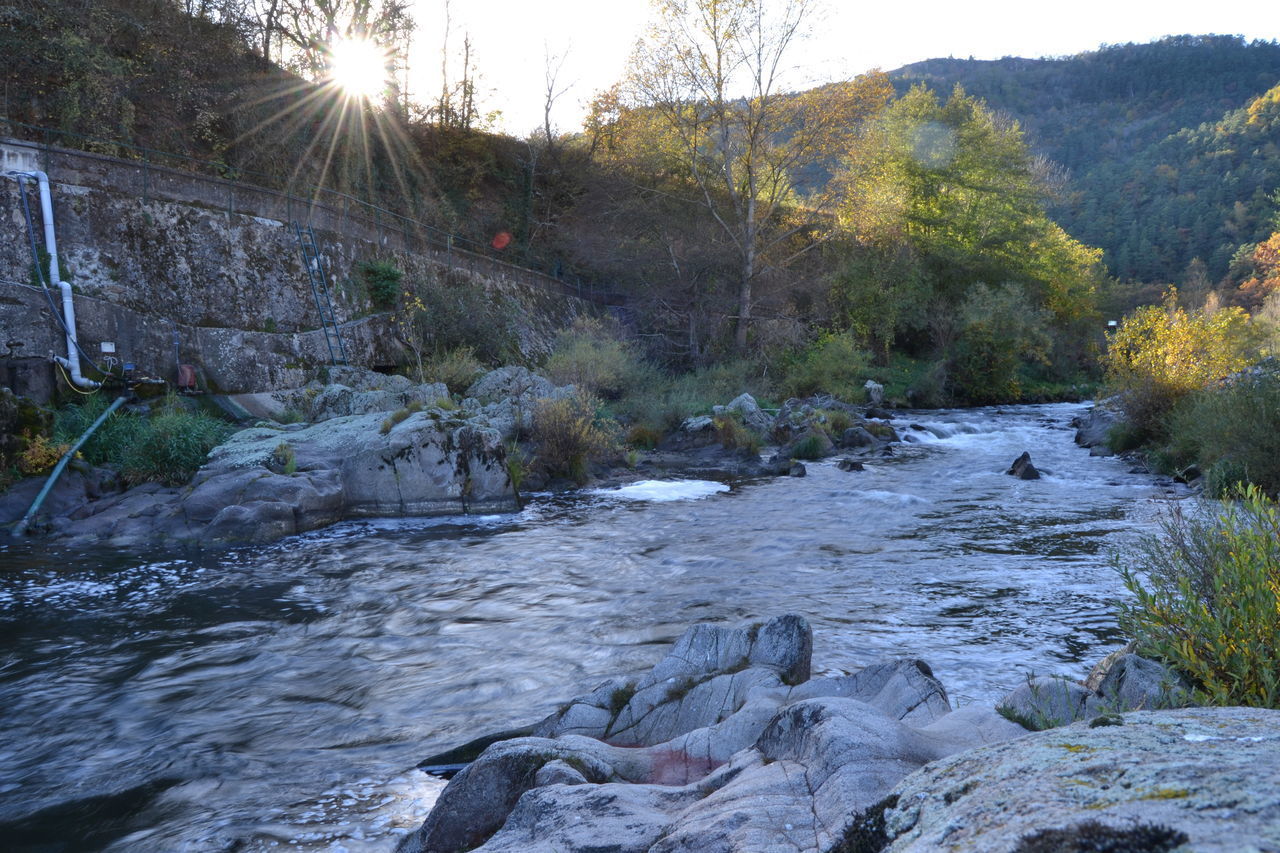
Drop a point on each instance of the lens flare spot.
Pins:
(359, 68)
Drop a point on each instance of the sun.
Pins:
(359, 68)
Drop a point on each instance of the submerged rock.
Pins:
(1023, 469)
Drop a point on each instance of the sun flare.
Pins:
(359, 68)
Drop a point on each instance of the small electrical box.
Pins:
(108, 346)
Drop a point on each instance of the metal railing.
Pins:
(143, 172)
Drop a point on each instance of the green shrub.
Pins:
(442, 313)
(836, 421)
(1206, 599)
(999, 330)
(457, 369)
(735, 435)
(833, 364)
(283, 459)
(517, 464)
(167, 447)
(399, 416)
(1231, 432)
(569, 434)
(174, 444)
(382, 279)
(591, 355)
(810, 447)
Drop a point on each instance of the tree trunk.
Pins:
(744, 286)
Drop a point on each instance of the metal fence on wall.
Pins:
(145, 173)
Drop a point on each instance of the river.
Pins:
(279, 697)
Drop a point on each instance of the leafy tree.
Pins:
(999, 331)
(955, 184)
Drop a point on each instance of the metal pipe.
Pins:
(21, 527)
(72, 361)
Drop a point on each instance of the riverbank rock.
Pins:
(746, 407)
(1093, 427)
(1209, 777)
(356, 391)
(435, 461)
(726, 745)
(1128, 683)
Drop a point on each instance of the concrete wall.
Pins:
(153, 254)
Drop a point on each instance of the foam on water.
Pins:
(661, 491)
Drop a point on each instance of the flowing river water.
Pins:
(279, 697)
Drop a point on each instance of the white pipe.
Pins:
(72, 361)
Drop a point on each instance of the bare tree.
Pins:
(713, 72)
(553, 64)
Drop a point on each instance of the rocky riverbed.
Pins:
(729, 745)
(376, 446)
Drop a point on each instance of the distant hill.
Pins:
(1164, 165)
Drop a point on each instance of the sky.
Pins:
(511, 38)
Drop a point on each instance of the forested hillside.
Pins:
(1170, 149)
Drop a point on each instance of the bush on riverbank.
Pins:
(833, 364)
(1231, 433)
(593, 356)
(1162, 353)
(166, 447)
(569, 433)
(1206, 599)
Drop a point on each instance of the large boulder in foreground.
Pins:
(1203, 779)
(726, 745)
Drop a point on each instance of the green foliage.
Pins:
(999, 330)
(1206, 599)
(660, 403)
(1160, 354)
(808, 448)
(835, 421)
(878, 292)
(569, 433)
(457, 368)
(1231, 432)
(399, 416)
(592, 356)
(1156, 169)
(735, 435)
(382, 280)
(833, 364)
(166, 447)
(517, 463)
